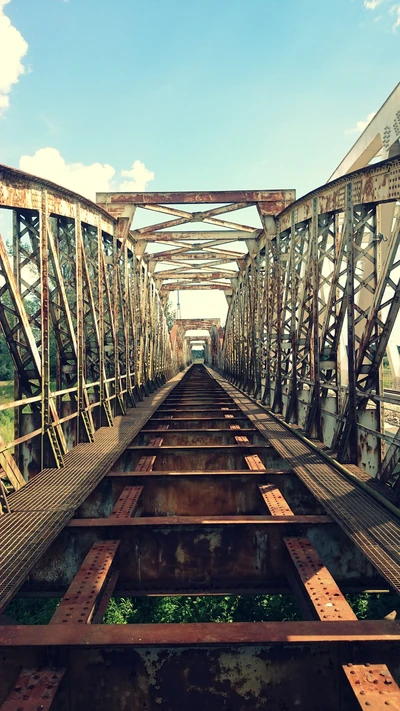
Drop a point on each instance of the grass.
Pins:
(387, 377)
(131, 610)
(6, 416)
(209, 608)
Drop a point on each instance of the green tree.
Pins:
(170, 314)
(197, 354)
(6, 362)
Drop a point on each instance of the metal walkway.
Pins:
(198, 491)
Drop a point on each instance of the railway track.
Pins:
(201, 493)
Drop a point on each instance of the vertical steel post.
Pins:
(315, 356)
(349, 448)
(47, 459)
(81, 436)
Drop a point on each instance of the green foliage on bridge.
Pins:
(205, 608)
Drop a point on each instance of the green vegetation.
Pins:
(197, 355)
(6, 416)
(170, 314)
(208, 608)
(33, 610)
(370, 606)
(387, 378)
(6, 363)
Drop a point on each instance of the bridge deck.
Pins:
(151, 508)
(366, 521)
(41, 509)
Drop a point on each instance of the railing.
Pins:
(314, 312)
(82, 318)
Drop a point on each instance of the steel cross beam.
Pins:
(194, 254)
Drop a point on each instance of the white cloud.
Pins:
(139, 177)
(12, 48)
(372, 4)
(395, 10)
(83, 179)
(361, 125)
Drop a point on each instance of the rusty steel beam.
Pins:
(24, 191)
(84, 593)
(198, 323)
(318, 593)
(378, 183)
(192, 254)
(171, 521)
(193, 275)
(275, 501)
(185, 286)
(309, 655)
(205, 634)
(373, 686)
(127, 503)
(35, 690)
(182, 198)
(223, 236)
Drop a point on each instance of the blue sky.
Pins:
(210, 94)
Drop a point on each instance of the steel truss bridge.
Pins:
(271, 469)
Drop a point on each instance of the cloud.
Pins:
(84, 179)
(12, 48)
(395, 10)
(139, 177)
(361, 125)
